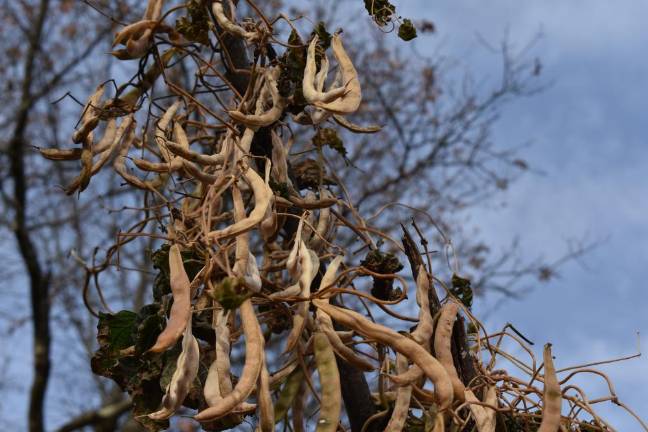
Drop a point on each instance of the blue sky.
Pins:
(588, 133)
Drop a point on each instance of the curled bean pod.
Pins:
(323, 224)
(352, 97)
(153, 9)
(90, 117)
(229, 26)
(183, 377)
(552, 396)
(354, 127)
(402, 344)
(119, 164)
(263, 118)
(172, 162)
(262, 196)
(252, 367)
(312, 85)
(331, 403)
(424, 329)
(181, 308)
(134, 30)
(190, 155)
(161, 127)
(219, 382)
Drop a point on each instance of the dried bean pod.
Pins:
(331, 402)
(181, 308)
(552, 395)
(183, 377)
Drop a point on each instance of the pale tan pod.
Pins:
(442, 346)
(57, 154)
(309, 270)
(160, 130)
(406, 346)
(403, 398)
(552, 395)
(424, 329)
(136, 29)
(331, 401)
(115, 136)
(229, 26)
(181, 309)
(90, 117)
(252, 367)
(153, 10)
(252, 274)
(292, 263)
(193, 156)
(484, 417)
(270, 223)
(108, 137)
(350, 101)
(262, 196)
(354, 127)
(119, 164)
(242, 252)
(325, 323)
(312, 85)
(137, 47)
(183, 377)
(261, 118)
(264, 400)
(218, 379)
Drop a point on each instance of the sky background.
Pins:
(588, 133)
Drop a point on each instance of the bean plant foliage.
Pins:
(257, 305)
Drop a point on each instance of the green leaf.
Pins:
(407, 31)
(115, 331)
(150, 324)
(292, 64)
(195, 26)
(462, 290)
(230, 292)
(324, 37)
(280, 188)
(380, 10)
(329, 137)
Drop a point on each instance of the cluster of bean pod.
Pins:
(279, 248)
